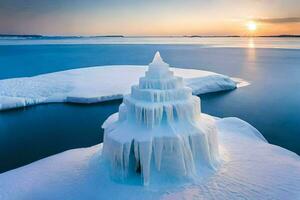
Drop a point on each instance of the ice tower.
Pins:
(159, 131)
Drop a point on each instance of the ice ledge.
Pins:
(96, 84)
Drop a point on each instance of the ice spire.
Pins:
(157, 58)
(157, 68)
(159, 129)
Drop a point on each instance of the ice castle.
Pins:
(159, 131)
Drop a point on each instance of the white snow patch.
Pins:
(251, 169)
(96, 84)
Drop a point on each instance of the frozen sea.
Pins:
(270, 102)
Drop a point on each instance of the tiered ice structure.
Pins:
(159, 130)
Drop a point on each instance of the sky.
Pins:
(149, 17)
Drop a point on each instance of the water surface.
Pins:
(270, 103)
(240, 42)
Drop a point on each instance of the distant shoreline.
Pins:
(55, 37)
(21, 36)
(207, 36)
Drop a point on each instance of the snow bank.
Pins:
(96, 84)
(251, 169)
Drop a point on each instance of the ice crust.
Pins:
(97, 84)
(160, 130)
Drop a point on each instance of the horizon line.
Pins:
(128, 36)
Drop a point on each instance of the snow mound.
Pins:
(251, 169)
(96, 84)
(159, 131)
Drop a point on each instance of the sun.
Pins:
(251, 26)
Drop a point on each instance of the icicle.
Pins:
(136, 155)
(126, 154)
(157, 149)
(145, 159)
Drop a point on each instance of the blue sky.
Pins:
(156, 17)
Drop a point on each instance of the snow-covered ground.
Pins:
(97, 84)
(251, 168)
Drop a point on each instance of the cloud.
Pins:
(278, 20)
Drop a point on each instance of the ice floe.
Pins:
(96, 84)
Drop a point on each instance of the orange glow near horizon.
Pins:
(180, 27)
(152, 18)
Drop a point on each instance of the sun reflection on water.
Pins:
(251, 43)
